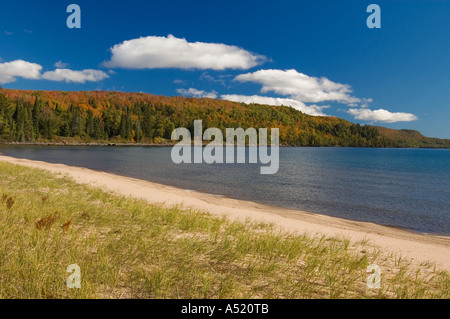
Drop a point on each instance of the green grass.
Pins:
(128, 248)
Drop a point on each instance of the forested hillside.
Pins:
(116, 117)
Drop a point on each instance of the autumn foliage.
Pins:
(104, 116)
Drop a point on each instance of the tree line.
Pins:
(40, 116)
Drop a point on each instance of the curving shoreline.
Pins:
(418, 247)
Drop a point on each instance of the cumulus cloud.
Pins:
(300, 86)
(10, 71)
(381, 115)
(154, 52)
(307, 109)
(197, 93)
(68, 75)
(300, 89)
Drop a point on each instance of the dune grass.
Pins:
(128, 248)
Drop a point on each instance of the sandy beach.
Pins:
(418, 247)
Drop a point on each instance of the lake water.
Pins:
(407, 188)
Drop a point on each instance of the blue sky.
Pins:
(317, 56)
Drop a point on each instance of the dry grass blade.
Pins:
(10, 202)
(67, 224)
(47, 222)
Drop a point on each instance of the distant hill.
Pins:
(116, 117)
(411, 138)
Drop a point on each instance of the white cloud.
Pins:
(9, 71)
(265, 100)
(61, 65)
(154, 52)
(75, 76)
(300, 86)
(364, 103)
(197, 93)
(381, 115)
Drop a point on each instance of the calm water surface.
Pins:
(408, 188)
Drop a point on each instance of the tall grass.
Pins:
(128, 248)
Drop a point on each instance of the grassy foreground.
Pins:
(127, 248)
